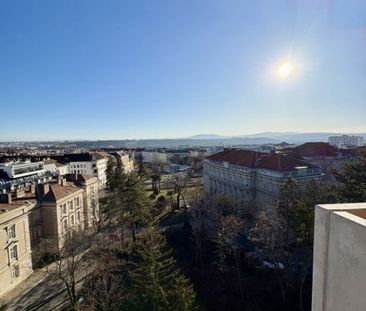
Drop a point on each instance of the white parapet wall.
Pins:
(339, 272)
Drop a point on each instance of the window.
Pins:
(78, 216)
(64, 209)
(72, 220)
(11, 232)
(71, 204)
(77, 201)
(65, 225)
(14, 252)
(15, 271)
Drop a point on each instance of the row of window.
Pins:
(70, 204)
(65, 225)
(78, 165)
(78, 171)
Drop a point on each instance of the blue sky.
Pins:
(87, 69)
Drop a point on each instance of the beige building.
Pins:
(34, 221)
(62, 210)
(15, 247)
(90, 197)
(127, 162)
(253, 178)
(339, 270)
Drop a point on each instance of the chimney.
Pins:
(63, 182)
(45, 188)
(19, 193)
(59, 179)
(33, 188)
(6, 198)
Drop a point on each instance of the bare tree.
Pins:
(179, 183)
(227, 241)
(270, 236)
(72, 263)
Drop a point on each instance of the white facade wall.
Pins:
(95, 168)
(339, 269)
(152, 156)
(346, 140)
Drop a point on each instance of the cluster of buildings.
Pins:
(41, 201)
(35, 219)
(20, 170)
(254, 178)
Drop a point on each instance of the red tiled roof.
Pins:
(58, 192)
(247, 158)
(314, 149)
(281, 162)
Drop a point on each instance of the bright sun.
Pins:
(285, 70)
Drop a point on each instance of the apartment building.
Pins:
(154, 156)
(56, 168)
(339, 264)
(15, 246)
(345, 141)
(126, 160)
(62, 211)
(90, 197)
(253, 178)
(94, 164)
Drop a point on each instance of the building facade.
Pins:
(94, 164)
(15, 246)
(90, 197)
(253, 178)
(345, 141)
(62, 211)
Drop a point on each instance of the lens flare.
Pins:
(285, 70)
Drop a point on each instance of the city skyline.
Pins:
(87, 70)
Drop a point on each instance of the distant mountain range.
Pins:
(208, 140)
(276, 137)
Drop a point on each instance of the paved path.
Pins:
(41, 291)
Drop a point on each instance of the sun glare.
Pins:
(285, 70)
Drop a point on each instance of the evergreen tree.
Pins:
(135, 204)
(110, 172)
(352, 180)
(155, 277)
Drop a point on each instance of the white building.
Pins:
(154, 156)
(346, 141)
(22, 169)
(94, 164)
(56, 168)
(339, 269)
